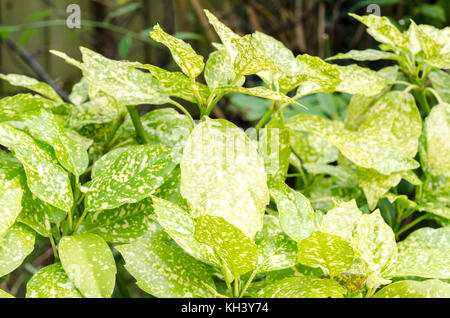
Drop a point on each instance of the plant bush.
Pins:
(204, 209)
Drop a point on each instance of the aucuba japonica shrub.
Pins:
(300, 206)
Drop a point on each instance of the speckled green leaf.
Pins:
(297, 217)
(396, 119)
(10, 202)
(177, 84)
(134, 175)
(118, 79)
(9, 166)
(313, 72)
(357, 109)
(312, 149)
(303, 287)
(223, 175)
(375, 185)
(51, 282)
(441, 83)
(427, 237)
(236, 251)
(14, 107)
(375, 242)
(80, 92)
(342, 173)
(46, 179)
(259, 91)
(420, 41)
(365, 55)
(422, 262)
(33, 84)
(102, 109)
(89, 263)
(341, 220)
(190, 62)
(431, 288)
(277, 251)
(71, 154)
(122, 224)
(181, 227)
(4, 294)
(15, 245)
(224, 32)
(37, 214)
(437, 127)
(360, 80)
(165, 270)
(219, 69)
(103, 164)
(365, 151)
(249, 58)
(382, 30)
(274, 147)
(283, 57)
(170, 190)
(329, 252)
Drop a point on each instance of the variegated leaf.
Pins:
(13, 108)
(237, 252)
(70, 153)
(89, 263)
(122, 224)
(329, 252)
(274, 147)
(225, 33)
(51, 282)
(312, 149)
(190, 62)
(382, 30)
(46, 179)
(10, 167)
(259, 91)
(102, 109)
(374, 241)
(10, 202)
(219, 69)
(179, 85)
(297, 217)
(365, 55)
(431, 288)
(395, 118)
(441, 83)
(165, 270)
(437, 127)
(181, 228)
(375, 185)
(341, 220)
(4, 294)
(363, 150)
(360, 80)
(33, 84)
(135, 174)
(222, 164)
(303, 287)
(16, 244)
(80, 92)
(277, 251)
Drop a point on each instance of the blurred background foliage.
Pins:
(119, 29)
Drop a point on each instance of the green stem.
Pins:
(236, 287)
(410, 225)
(436, 95)
(184, 111)
(247, 284)
(388, 213)
(55, 251)
(80, 220)
(141, 134)
(265, 118)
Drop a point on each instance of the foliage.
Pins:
(206, 210)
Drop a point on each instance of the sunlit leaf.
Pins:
(16, 244)
(432, 288)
